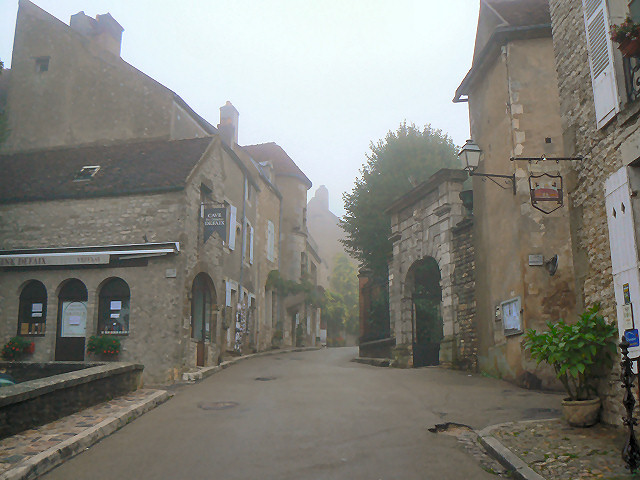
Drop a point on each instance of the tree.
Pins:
(403, 159)
(343, 281)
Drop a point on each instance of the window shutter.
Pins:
(232, 227)
(605, 90)
(227, 285)
(622, 241)
(270, 240)
(250, 244)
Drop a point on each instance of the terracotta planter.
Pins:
(630, 48)
(581, 413)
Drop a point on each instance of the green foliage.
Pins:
(16, 348)
(405, 157)
(576, 352)
(378, 316)
(427, 296)
(106, 345)
(313, 295)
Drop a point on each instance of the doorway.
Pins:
(71, 328)
(426, 317)
(202, 301)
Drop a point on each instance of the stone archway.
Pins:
(422, 226)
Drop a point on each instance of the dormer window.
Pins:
(86, 173)
(42, 64)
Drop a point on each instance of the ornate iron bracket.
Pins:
(508, 179)
(631, 449)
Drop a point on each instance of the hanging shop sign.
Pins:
(546, 192)
(215, 220)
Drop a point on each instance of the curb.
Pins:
(506, 457)
(54, 456)
(376, 362)
(204, 372)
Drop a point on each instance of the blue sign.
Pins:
(632, 337)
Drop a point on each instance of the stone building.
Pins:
(68, 86)
(523, 256)
(118, 198)
(599, 108)
(299, 259)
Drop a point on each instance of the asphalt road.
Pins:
(311, 415)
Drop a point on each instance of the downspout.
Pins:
(243, 247)
(278, 299)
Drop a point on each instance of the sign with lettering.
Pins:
(546, 192)
(45, 260)
(632, 337)
(215, 220)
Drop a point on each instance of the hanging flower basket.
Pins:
(630, 47)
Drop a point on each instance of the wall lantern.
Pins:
(470, 157)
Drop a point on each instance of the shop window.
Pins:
(114, 307)
(32, 315)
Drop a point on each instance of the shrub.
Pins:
(576, 352)
(105, 345)
(16, 348)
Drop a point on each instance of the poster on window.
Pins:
(74, 319)
(215, 220)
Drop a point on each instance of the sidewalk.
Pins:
(552, 450)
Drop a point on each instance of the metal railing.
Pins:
(631, 67)
(631, 449)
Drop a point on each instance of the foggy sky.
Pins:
(322, 78)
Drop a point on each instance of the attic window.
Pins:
(42, 64)
(86, 173)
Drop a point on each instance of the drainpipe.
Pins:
(244, 241)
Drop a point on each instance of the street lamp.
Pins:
(470, 157)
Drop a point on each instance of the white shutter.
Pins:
(250, 244)
(232, 227)
(603, 81)
(227, 285)
(270, 240)
(622, 242)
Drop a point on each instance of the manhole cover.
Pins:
(265, 379)
(217, 405)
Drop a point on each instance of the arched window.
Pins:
(32, 315)
(113, 308)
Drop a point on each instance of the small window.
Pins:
(33, 309)
(86, 173)
(42, 64)
(113, 308)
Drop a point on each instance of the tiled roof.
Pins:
(282, 163)
(125, 168)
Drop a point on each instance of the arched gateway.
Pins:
(431, 235)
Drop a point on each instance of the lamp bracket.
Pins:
(507, 178)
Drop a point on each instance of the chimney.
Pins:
(228, 126)
(103, 31)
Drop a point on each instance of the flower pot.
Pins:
(581, 413)
(630, 47)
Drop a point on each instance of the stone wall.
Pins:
(464, 286)
(605, 150)
(37, 402)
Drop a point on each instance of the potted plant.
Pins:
(105, 346)
(627, 36)
(577, 353)
(16, 348)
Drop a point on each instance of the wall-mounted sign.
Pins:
(546, 192)
(627, 317)
(625, 293)
(536, 260)
(34, 260)
(632, 337)
(215, 220)
(511, 316)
